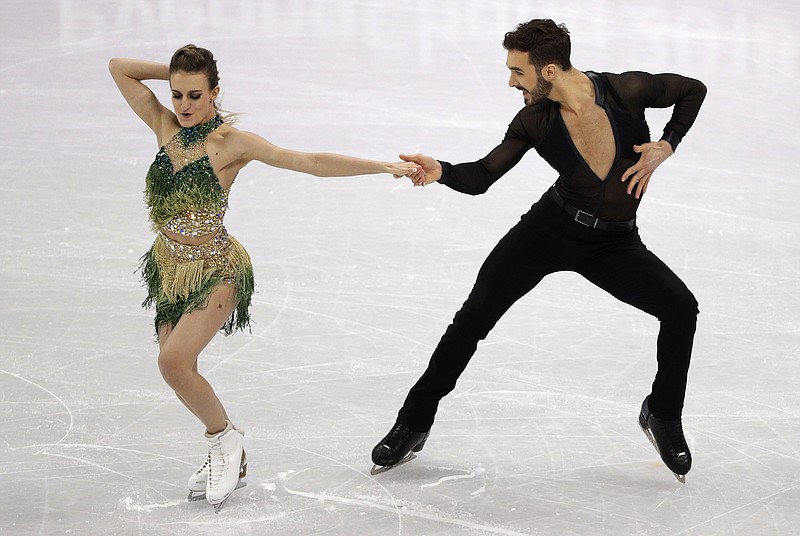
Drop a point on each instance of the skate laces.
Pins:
(216, 464)
(399, 432)
(675, 431)
(204, 467)
(397, 436)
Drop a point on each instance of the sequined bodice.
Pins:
(181, 190)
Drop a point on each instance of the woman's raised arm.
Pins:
(128, 75)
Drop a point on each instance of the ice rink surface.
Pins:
(357, 279)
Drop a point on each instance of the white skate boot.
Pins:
(197, 482)
(199, 479)
(227, 465)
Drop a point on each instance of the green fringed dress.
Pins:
(184, 196)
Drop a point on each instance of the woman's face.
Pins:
(192, 99)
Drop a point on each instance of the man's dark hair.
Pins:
(545, 42)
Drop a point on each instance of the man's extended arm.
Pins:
(475, 178)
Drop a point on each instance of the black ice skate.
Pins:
(667, 437)
(397, 448)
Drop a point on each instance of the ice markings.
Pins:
(53, 395)
(131, 506)
(473, 474)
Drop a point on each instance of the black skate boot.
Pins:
(397, 447)
(667, 437)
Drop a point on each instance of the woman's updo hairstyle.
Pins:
(193, 59)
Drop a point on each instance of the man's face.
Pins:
(527, 78)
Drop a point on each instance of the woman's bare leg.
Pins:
(180, 347)
(164, 333)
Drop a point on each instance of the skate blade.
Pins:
(680, 478)
(195, 496)
(650, 437)
(219, 505)
(378, 469)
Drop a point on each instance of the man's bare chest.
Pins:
(593, 137)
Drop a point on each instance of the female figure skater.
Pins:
(199, 278)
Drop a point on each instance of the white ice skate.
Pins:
(227, 465)
(197, 482)
(199, 479)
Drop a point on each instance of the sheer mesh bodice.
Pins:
(624, 97)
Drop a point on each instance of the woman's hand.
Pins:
(404, 169)
(429, 170)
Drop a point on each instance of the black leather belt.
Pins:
(584, 218)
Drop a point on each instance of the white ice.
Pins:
(358, 278)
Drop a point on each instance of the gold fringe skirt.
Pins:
(180, 278)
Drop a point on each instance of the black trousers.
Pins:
(547, 240)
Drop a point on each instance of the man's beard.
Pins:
(540, 92)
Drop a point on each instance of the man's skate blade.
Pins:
(681, 478)
(378, 469)
(649, 436)
(195, 496)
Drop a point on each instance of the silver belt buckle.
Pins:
(594, 220)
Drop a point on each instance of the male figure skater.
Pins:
(591, 128)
